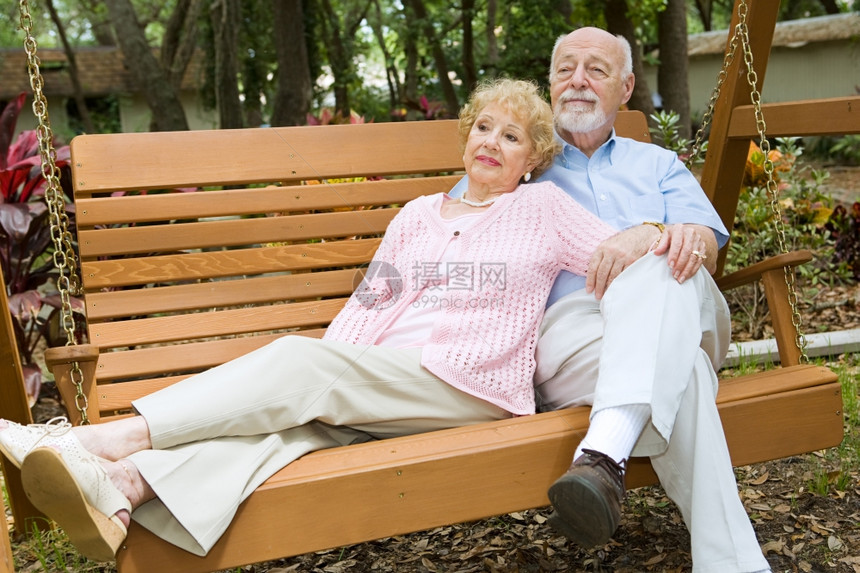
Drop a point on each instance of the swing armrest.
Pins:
(61, 361)
(758, 271)
(772, 275)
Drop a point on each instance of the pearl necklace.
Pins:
(486, 203)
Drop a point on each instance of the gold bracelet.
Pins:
(660, 226)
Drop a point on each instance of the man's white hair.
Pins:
(626, 52)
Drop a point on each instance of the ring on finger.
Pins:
(701, 256)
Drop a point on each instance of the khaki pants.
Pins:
(653, 341)
(218, 435)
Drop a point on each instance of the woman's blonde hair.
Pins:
(522, 99)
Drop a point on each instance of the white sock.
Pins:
(614, 431)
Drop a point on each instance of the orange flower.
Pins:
(754, 174)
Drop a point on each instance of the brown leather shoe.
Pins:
(587, 499)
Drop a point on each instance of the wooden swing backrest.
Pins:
(159, 269)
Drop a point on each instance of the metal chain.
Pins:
(728, 59)
(772, 189)
(741, 35)
(65, 260)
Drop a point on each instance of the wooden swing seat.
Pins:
(228, 250)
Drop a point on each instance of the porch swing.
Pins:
(175, 283)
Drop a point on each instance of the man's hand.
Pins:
(688, 246)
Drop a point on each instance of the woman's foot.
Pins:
(16, 440)
(109, 441)
(80, 494)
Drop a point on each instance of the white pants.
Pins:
(654, 341)
(218, 435)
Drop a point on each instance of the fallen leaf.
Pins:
(655, 560)
(834, 543)
(773, 546)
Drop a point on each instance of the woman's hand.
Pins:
(689, 247)
(616, 254)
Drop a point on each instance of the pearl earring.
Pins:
(527, 176)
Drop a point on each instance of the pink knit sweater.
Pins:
(483, 342)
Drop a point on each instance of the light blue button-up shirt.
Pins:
(626, 182)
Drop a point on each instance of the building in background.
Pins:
(107, 85)
(810, 58)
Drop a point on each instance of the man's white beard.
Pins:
(578, 120)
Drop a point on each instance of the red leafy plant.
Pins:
(26, 248)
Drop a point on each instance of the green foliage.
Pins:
(846, 149)
(844, 226)
(849, 377)
(25, 244)
(807, 216)
(51, 548)
(530, 32)
(805, 210)
(665, 132)
(833, 469)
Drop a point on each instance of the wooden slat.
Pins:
(7, 564)
(770, 382)
(213, 324)
(203, 204)
(98, 275)
(782, 316)
(832, 116)
(13, 406)
(130, 161)
(784, 424)
(144, 362)
(754, 272)
(632, 124)
(405, 484)
(225, 293)
(231, 233)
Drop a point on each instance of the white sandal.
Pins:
(76, 492)
(17, 440)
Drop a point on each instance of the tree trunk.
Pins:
(423, 21)
(150, 78)
(410, 74)
(339, 43)
(618, 22)
(492, 42)
(337, 59)
(293, 97)
(470, 74)
(395, 91)
(180, 40)
(225, 16)
(672, 82)
(80, 100)
(830, 6)
(705, 8)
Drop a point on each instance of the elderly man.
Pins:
(644, 352)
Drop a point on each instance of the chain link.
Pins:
(65, 259)
(741, 36)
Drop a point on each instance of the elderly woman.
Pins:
(447, 347)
